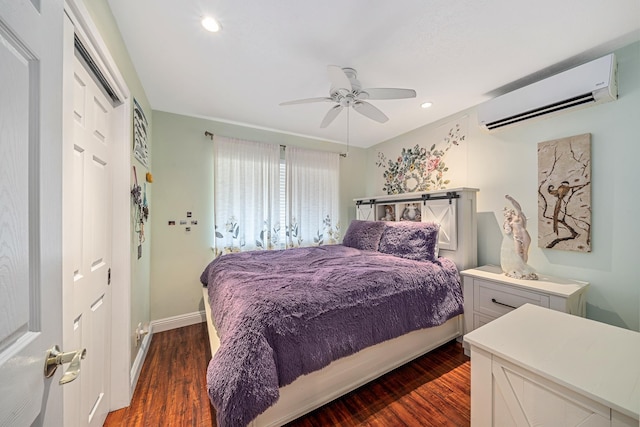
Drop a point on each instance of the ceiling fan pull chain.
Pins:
(347, 130)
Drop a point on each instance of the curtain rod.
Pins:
(211, 135)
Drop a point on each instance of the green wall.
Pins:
(183, 182)
(506, 163)
(165, 283)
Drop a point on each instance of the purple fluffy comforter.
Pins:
(282, 314)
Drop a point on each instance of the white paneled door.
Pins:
(30, 210)
(57, 151)
(87, 243)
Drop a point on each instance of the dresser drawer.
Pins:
(495, 299)
(481, 320)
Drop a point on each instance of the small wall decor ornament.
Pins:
(140, 209)
(514, 252)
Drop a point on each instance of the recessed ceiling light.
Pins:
(210, 24)
(426, 104)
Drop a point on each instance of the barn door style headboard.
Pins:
(454, 210)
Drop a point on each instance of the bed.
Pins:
(303, 326)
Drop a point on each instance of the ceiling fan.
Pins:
(346, 92)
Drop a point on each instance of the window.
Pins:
(246, 196)
(283, 205)
(264, 200)
(312, 197)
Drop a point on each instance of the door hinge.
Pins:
(109, 276)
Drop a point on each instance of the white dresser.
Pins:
(535, 366)
(489, 294)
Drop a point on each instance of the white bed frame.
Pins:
(313, 390)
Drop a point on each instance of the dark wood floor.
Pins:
(433, 390)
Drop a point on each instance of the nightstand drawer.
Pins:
(489, 293)
(480, 320)
(494, 299)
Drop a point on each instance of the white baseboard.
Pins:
(179, 321)
(136, 368)
(161, 325)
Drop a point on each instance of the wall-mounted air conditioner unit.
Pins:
(588, 84)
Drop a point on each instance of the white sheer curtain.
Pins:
(246, 195)
(312, 188)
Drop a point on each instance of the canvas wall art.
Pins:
(427, 164)
(140, 137)
(564, 193)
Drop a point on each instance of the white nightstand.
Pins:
(488, 294)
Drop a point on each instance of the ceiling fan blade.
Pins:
(307, 101)
(338, 78)
(331, 115)
(387, 93)
(370, 111)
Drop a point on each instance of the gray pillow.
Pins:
(417, 241)
(363, 235)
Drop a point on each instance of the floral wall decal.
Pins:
(418, 168)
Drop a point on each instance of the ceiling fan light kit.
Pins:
(345, 91)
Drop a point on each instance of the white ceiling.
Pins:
(455, 54)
